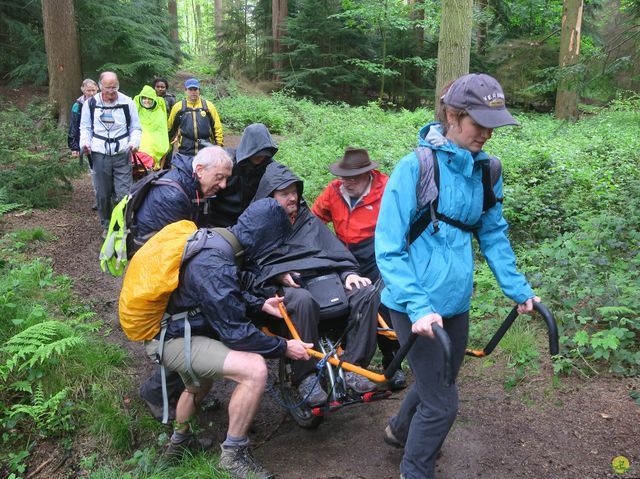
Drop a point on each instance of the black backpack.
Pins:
(136, 197)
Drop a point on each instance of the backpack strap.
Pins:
(92, 109)
(238, 250)
(427, 192)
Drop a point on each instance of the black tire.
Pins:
(301, 413)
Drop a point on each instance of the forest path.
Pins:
(538, 430)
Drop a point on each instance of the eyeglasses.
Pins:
(351, 179)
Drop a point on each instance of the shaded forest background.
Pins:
(351, 51)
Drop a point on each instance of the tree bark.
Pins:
(481, 32)
(63, 55)
(454, 45)
(173, 26)
(219, 11)
(279, 11)
(417, 15)
(567, 93)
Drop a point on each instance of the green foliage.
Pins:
(22, 57)
(318, 48)
(129, 37)
(51, 355)
(50, 415)
(32, 171)
(5, 207)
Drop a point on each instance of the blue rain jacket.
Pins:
(435, 273)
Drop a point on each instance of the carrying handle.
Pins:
(447, 349)
(546, 314)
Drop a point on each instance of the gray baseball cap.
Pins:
(482, 97)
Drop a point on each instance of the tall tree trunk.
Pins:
(454, 45)
(417, 15)
(63, 55)
(567, 93)
(482, 30)
(197, 15)
(173, 26)
(219, 10)
(279, 11)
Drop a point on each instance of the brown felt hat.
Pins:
(354, 162)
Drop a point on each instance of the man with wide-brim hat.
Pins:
(352, 202)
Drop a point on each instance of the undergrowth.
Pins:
(53, 358)
(35, 168)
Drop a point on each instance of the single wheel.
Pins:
(300, 412)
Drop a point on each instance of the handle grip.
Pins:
(442, 336)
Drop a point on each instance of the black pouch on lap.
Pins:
(329, 293)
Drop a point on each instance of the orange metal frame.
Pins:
(375, 377)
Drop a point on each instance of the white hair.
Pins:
(104, 74)
(212, 156)
(88, 81)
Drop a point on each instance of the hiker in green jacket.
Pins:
(152, 112)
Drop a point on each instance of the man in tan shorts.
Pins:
(224, 343)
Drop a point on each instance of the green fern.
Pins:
(37, 344)
(4, 206)
(49, 415)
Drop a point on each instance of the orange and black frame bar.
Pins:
(440, 333)
(552, 328)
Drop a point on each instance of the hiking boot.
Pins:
(391, 439)
(238, 461)
(192, 445)
(156, 411)
(359, 384)
(311, 391)
(398, 381)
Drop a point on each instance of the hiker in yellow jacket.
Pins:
(194, 119)
(152, 113)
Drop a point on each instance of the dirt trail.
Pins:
(573, 430)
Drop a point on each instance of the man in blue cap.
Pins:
(194, 119)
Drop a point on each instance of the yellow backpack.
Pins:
(151, 278)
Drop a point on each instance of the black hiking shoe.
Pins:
(238, 461)
(192, 445)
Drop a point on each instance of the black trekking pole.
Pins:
(447, 349)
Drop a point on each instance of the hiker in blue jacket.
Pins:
(223, 341)
(198, 178)
(430, 280)
(193, 180)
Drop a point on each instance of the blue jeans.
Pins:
(430, 408)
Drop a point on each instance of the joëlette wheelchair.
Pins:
(331, 367)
